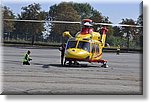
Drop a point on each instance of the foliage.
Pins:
(117, 32)
(128, 30)
(67, 11)
(31, 12)
(64, 12)
(8, 26)
(140, 20)
(140, 30)
(83, 9)
(115, 41)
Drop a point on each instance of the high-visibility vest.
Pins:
(26, 58)
(118, 48)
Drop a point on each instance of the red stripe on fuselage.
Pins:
(98, 55)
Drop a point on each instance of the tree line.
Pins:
(65, 11)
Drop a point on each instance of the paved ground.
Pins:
(46, 76)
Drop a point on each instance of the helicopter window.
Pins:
(71, 44)
(93, 48)
(84, 45)
(97, 49)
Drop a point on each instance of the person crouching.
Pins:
(27, 59)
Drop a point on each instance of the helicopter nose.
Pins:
(76, 53)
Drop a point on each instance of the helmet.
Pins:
(28, 52)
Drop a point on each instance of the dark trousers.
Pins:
(62, 60)
(26, 63)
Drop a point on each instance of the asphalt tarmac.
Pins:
(45, 75)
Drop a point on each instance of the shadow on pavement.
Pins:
(67, 66)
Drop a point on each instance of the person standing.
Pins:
(118, 49)
(62, 49)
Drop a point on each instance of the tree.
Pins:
(32, 12)
(79, 12)
(8, 26)
(52, 12)
(64, 12)
(96, 16)
(83, 9)
(117, 31)
(140, 20)
(129, 31)
(140, 30)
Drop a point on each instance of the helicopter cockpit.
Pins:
(71, 44)
(79, 45)
(84, 45)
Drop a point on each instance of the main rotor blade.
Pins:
(122, 25)
(70, 22)
(42, 21)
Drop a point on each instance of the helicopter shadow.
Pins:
(57, 65)
(67, 66)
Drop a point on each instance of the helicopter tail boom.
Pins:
(104, 30)
(103, 40)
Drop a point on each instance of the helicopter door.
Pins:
(95, 51)
(84, 45)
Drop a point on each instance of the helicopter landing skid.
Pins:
(104, 62)
(70, 62)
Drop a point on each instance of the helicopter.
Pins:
(87, 45)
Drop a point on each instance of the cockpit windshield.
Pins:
(71, 44)
(84, 45)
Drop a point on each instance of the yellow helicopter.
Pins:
(87, 45)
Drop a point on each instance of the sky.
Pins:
(116, 10)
